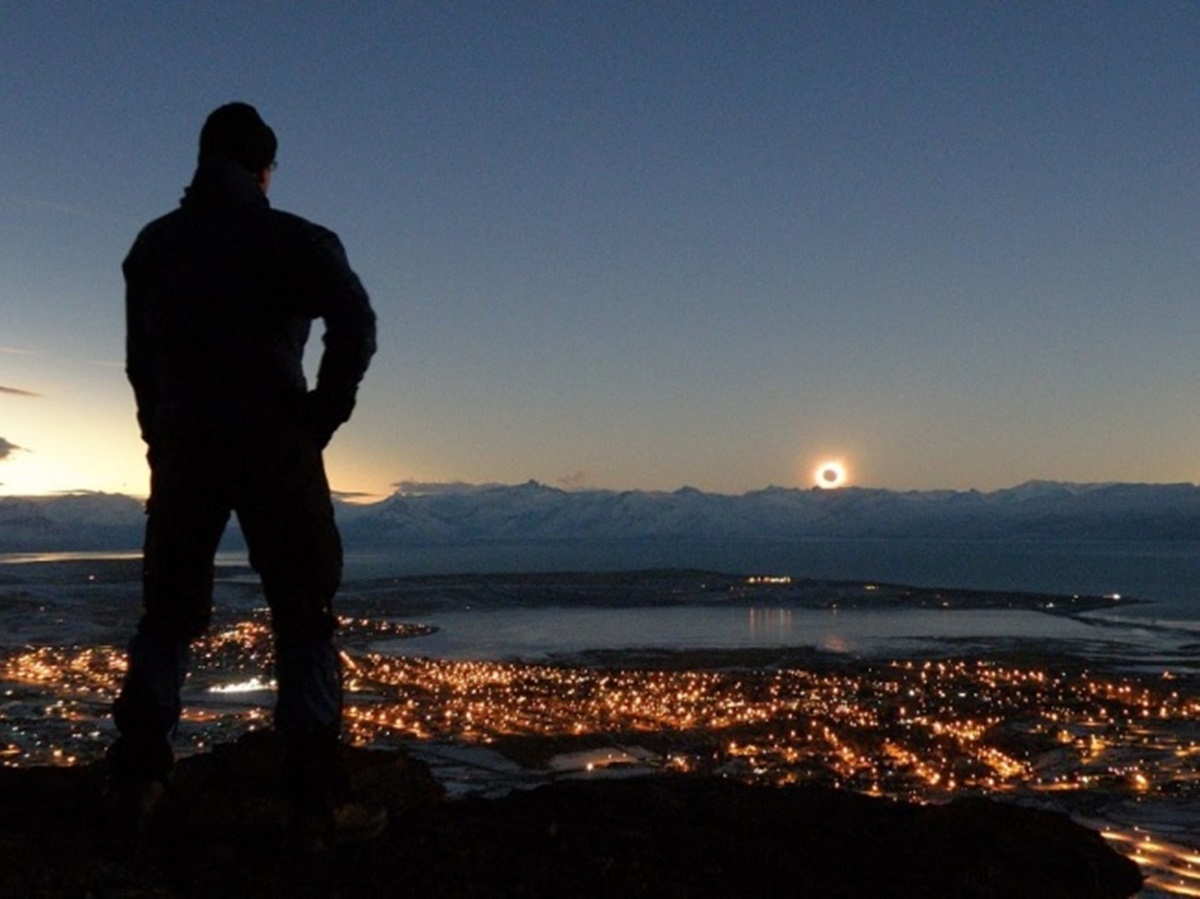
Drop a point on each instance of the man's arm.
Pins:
(342, 303)
(139, 367)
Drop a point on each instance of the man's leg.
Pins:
(185, 519)
(287, 518)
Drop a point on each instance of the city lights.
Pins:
(915, 730)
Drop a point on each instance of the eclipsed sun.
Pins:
(830, 475)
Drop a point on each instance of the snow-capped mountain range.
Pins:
(466, 514)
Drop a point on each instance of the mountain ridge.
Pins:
(532, 511)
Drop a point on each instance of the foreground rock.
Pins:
(666, 836)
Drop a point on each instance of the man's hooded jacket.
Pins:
(220, 297)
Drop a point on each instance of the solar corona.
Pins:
(830, 475)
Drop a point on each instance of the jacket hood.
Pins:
(222, 183)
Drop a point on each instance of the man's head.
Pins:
(236, 132)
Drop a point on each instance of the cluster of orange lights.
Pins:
(918, 730)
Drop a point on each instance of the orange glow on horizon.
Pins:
(42, 473)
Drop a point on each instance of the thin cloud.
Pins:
(355, 497)
(15, 351)
(7, 448)
(62, 208)
(430, 488)
(576, 480)
(16, 391)
(74, 211)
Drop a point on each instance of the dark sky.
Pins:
(642, 245)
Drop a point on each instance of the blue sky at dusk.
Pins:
(647, 245)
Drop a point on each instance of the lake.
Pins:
(1167, 572)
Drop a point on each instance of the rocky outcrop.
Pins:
(223, 835)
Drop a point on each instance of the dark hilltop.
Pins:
(677, 836)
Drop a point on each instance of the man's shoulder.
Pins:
(297, 231)
(163, 223)
(283, 224)
(295, 224)
(154, 232)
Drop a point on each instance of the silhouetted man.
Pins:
(220, 296)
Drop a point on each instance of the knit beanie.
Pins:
(236, 131)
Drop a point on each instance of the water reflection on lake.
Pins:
(535, 634)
